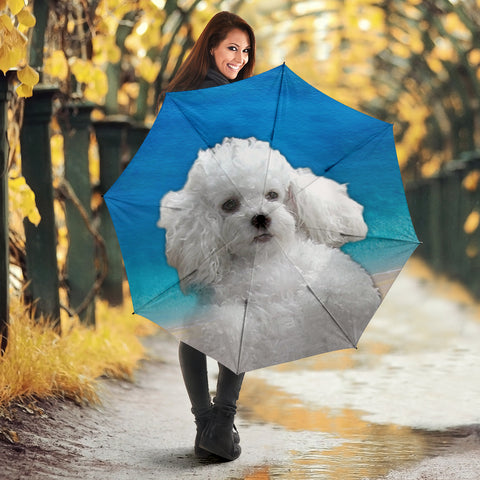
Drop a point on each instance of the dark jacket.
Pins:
(214, 79)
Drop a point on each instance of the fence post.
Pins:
(74, 120)
(135, 137)
(41, 240)
(111, 138)
(5, 92)
(472, 239)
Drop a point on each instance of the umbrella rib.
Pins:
(278, 105)
(309, 288)
(274, 125)
(242, 333)
(358, 147)
(156, 297)
(207, 146)
(244, 320)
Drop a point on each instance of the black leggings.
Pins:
(194, 370)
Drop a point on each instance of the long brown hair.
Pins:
(194, 69)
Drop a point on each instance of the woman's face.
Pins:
(231, 54)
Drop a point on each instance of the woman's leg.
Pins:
(219, 436)
(194, 370)
(228, 388)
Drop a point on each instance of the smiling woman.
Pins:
(232, 53)
(224, 52)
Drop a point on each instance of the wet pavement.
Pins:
(404, 406)
(411, 391)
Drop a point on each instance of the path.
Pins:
(320, 428)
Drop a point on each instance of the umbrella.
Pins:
(262, 221)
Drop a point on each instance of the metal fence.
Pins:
(94, 265)
(445, 211)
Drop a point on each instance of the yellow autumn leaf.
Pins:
(474, 56)
(82, 70)
(470, 182)
(3, 4)
(28, 76)
(22, 199)
(24, 90)
(57, 151)
(56, 65)
(435, 64)
(472, 222)
(148, 70)
(97, 87)
(10, 56)
(100, 81)
(4, 59)
(105, 49)
(133, 43)
(15, 5)
(6, 22)
(26, 18)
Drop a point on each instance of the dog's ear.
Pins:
(324, 211)
(193, 244)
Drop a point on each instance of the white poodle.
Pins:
(257, 241)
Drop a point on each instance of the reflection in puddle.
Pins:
(391, 404)
(368, 450)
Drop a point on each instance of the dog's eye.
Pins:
(271, 195)
(231, 205)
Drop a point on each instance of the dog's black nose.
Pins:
(260, 221)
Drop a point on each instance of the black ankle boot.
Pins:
(218, 437)
(201, 422)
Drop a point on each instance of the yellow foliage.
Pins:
(24, 90)
(6, 22)
(435, 64)
(15, 6)
(444, 50)
(400, 50)
(26, 18)
(40, 363)
(105, 49)
(474, 56)
(432, 166)
(28, 76)
(22, 199)
(472, 250)
(56, 65)
(97, 87)
(472, 222)
(93, 160)
(93, 77)
(470, 182)
(455, 27)
(13, 51)
(57, 152)
(148, 70)
(81, 69)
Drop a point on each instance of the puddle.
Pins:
(366, 451)
(396, 401)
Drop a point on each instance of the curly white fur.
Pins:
(257, 241)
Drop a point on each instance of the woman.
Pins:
(224, 53)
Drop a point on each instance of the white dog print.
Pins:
(257, 241)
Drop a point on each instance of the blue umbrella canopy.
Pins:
(310, 130)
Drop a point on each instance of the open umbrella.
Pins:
(262, 221)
